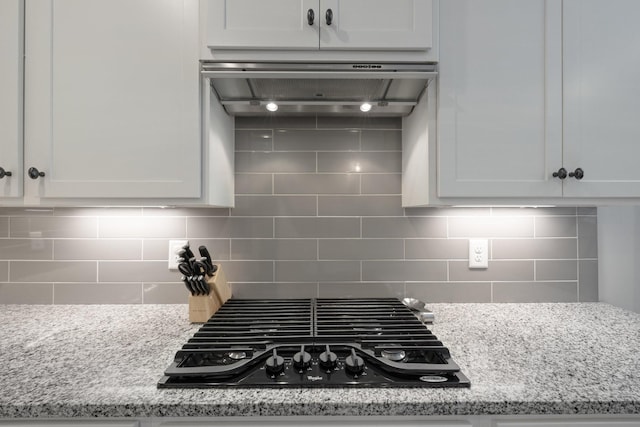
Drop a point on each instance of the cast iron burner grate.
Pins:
(369, 342)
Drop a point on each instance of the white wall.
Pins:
(619, 256)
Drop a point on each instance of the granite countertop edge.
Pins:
(354, 409)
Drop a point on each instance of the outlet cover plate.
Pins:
(478, 253)
(174, 247)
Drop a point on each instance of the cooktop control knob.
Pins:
(328, 359)
(354, 363)
(275, 363)
(302, 359)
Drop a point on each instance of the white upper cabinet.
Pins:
(602, 97)
(112, 99)
(539, 99)
(320, 24)
(379, 24)
(499, 116)
(11, 51)
(254, 24)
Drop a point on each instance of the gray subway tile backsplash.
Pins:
(406, 271)
(52, 227)
(535, 292)
(437, 249)
(53, 271)
(26, 293)
(254, 140)
(25, 249)
(227, 227)
(4, 271)
(450, 292)
(97, 293)
(318, 214)
(139, 227)
(484, 227)
(274, 249)
(561, 226)
(254, 183)
(317, 227)
(361, 290)
(587, 237)
(557, 270)
(588, 275)
(404, 227)
(98, 249)
(275, 206)
(359, 206)
(271, 162)
(356, 162)
(360, 249)
(130, 271)
(381, 183)
(275, 290)
(249, 271)
(552, 248)
(498, 271)
(339, 122)
(327, 183)
(381, 140)
(317, 271)
(4, 227)
(315, 140)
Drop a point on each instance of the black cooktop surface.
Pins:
(374, 342)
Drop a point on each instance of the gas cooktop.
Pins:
(374, 342)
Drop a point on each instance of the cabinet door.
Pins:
(601, 97)
(11, 50)
(376, 24)
(262, 24)
(499, 114)
(112, 98)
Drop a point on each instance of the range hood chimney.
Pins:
(337, 88)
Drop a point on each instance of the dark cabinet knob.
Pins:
(35, 173)
(311, 16)
(329, 16)
(562, 173)
(577, 174)
(4, 173)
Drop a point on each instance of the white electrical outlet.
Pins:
(478, 253)
(174, 247)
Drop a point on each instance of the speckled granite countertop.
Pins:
(105, 361)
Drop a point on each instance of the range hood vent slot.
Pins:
(244, 89)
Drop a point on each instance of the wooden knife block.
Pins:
(202, 307)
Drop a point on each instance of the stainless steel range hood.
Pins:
(391, 89)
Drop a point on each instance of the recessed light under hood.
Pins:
(245, 89)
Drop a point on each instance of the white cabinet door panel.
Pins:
(376, 24)
(601, 97)
(112, 98)
(11, 51)
(499, 116)
(262, 24)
